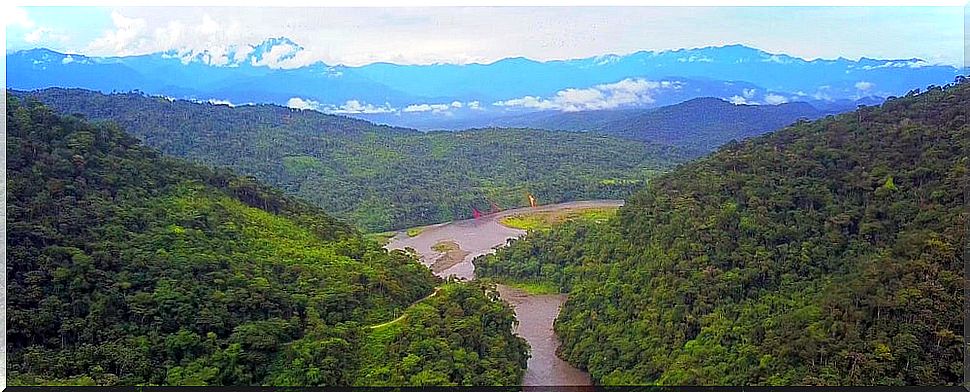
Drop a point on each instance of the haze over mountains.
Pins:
(451, 96)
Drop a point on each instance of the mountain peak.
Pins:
(273, 51)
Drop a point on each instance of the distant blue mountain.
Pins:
(430, 96)
(777, 72)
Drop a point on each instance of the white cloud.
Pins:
(241, 53)
(738, 100)
(214, 42)
(899, 64)
(352, 106)
(442, 108)
(279, 56)
(864, 86)
(627, 92)
(777, 59)
(356, 107)
(43, 34)
(129, 35)
(424, 107)
(67, 59)
(303, 104)
(527, 101)
(220, 102)
(607, 59)
(695, 59)
(775, 99)
(35, 36)
(749, 93)
(16, 16)
(822, 93)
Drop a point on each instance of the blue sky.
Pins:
(478, 34)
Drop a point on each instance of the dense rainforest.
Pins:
(826, 253)
(127, 267)
(378, 177)
(455, 337)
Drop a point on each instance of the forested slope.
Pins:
(378, 177)
(826, 253)
(456, 337)
(696, 126)
(128, 267)
(704, 124)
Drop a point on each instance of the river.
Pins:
(535, 313)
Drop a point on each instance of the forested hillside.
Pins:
(127, 267)
(827, 253)
(378, 177)
(456, 337)
(697, 126)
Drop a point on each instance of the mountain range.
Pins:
(432, 96)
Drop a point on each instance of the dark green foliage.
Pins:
(827, 253)
(457, 337)
(378, 177)
(127, 267)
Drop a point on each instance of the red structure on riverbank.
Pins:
(478, 214)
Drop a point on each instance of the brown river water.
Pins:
(535, 313)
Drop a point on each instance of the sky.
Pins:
(461, 35)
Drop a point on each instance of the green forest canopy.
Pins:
(378, 177)
(131, 268)
(826, 253)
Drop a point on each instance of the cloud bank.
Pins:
(359, 107)
(349, 107)
(775, 99)
(630, 92)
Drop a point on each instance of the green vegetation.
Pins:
(545, 220)
(381, 238)
(533, 288)
(131, 268)
(415, 231)
(827, 253)
(380, 178)
(445, 246)
(457, 337)
(303, 165)
(618, 181)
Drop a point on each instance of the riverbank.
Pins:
(440, 247)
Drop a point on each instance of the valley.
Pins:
(763, 238)
(375, 177)
(534, 313)
(510, 198)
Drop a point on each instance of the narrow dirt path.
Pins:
(405, 313)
